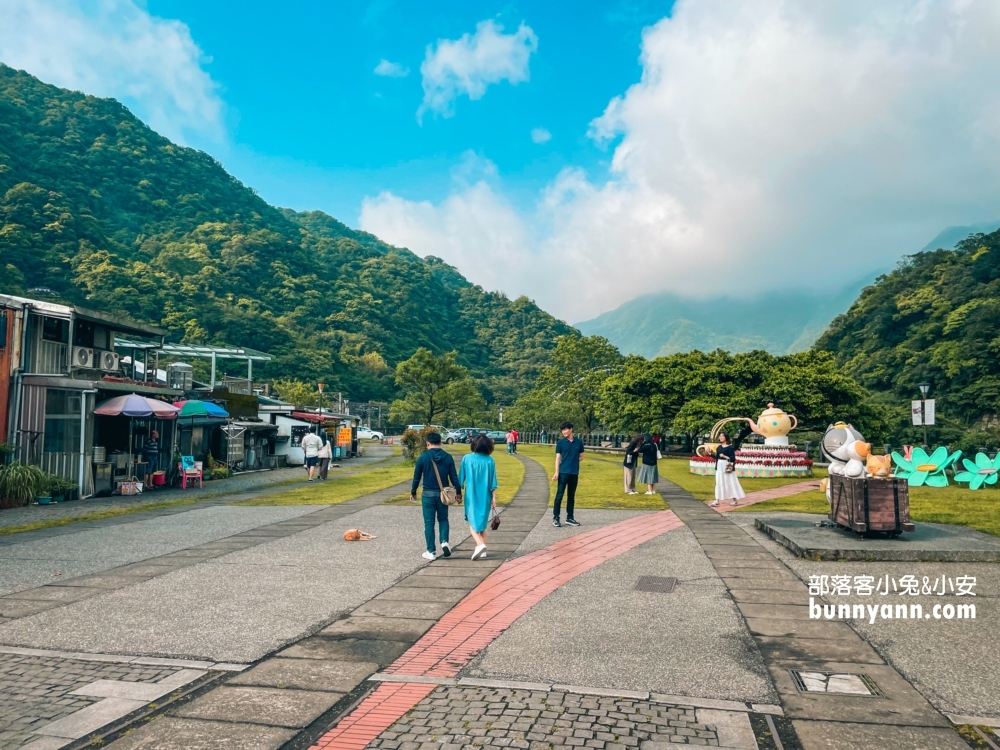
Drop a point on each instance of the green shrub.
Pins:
(219, 472)
(20, 484)
(414, 443)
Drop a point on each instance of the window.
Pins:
(55, 329)
(83, 335)
(3, 329)
(62, 421)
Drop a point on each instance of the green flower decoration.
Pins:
(983, 471)
(922, 469)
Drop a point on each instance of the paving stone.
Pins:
(836, 649)
(307, 674)
(378, 651)
(56, 593)
(418, 610)
(839, 735)
(488, 717)
(169, 733)
(81, 723)
(414, 594)
(441, 582)
(258, 705)
(15, 608)
(395, 628)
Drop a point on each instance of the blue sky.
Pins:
(701, 147)
(311, 126)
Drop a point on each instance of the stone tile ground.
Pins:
(454, 717)
(36, 690)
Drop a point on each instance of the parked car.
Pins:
(497, 436)
(464, 434)
(367, 433)
(435, 427)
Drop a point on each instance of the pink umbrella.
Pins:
(134, 405)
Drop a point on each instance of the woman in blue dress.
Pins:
(478, 475)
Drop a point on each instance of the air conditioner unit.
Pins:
(109, 361)
(83, 356)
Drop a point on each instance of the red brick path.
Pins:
(762, 495)
(492, 607)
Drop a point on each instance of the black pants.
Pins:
(567, 484)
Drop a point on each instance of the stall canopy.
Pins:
(134, 405)
(194, 408)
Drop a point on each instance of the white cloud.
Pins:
(540, 135)
(391, 69)
(769, 145)
(115, 48)
(471, 63)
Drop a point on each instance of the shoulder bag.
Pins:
(449, 495)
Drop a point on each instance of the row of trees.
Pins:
(590, 384)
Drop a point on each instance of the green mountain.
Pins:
(657, 325)
(934, 319)
(105, 212)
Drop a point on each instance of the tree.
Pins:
(296, 392)
(570, 388)
(426, 379)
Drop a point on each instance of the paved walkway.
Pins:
(392, 670)
(761, 495)
(479, 618)
(774, 601)
(76, 514)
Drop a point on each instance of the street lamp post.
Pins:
(924, 390)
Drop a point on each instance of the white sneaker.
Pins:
(429, 556)
(479, 551)
(734, 503)
(714, 504)
(633, 492)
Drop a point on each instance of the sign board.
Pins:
(344, 436)
(918, 413)
(929, 411)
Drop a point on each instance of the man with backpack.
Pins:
(436, 468)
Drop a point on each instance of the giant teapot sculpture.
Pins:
(774, 425)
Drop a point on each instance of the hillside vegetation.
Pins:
(105, 212)
(935, 319)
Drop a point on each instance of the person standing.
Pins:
(478, 478)
(510, 441)
(311, 445)
(437, 469)
(151, 455)
(325, 455)
(649, 473)
(631, 457)
(517, 436)
(569, 452)
(727, 486)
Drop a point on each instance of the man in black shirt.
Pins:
(569, 453)
(430, 499)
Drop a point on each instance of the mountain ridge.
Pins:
(99, 208)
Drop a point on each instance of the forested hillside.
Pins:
(936, 318)
(105, 212)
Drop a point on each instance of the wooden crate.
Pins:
(864, 505)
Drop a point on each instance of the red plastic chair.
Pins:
(192, 473)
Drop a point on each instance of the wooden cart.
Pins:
(867, 505)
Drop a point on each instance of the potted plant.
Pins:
(19, 484)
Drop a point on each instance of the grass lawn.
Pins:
(339, 490)
(954, 504)
(601, 481)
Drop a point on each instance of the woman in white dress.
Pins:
(727, 486)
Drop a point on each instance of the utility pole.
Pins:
(924, 390)
(321, 386)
